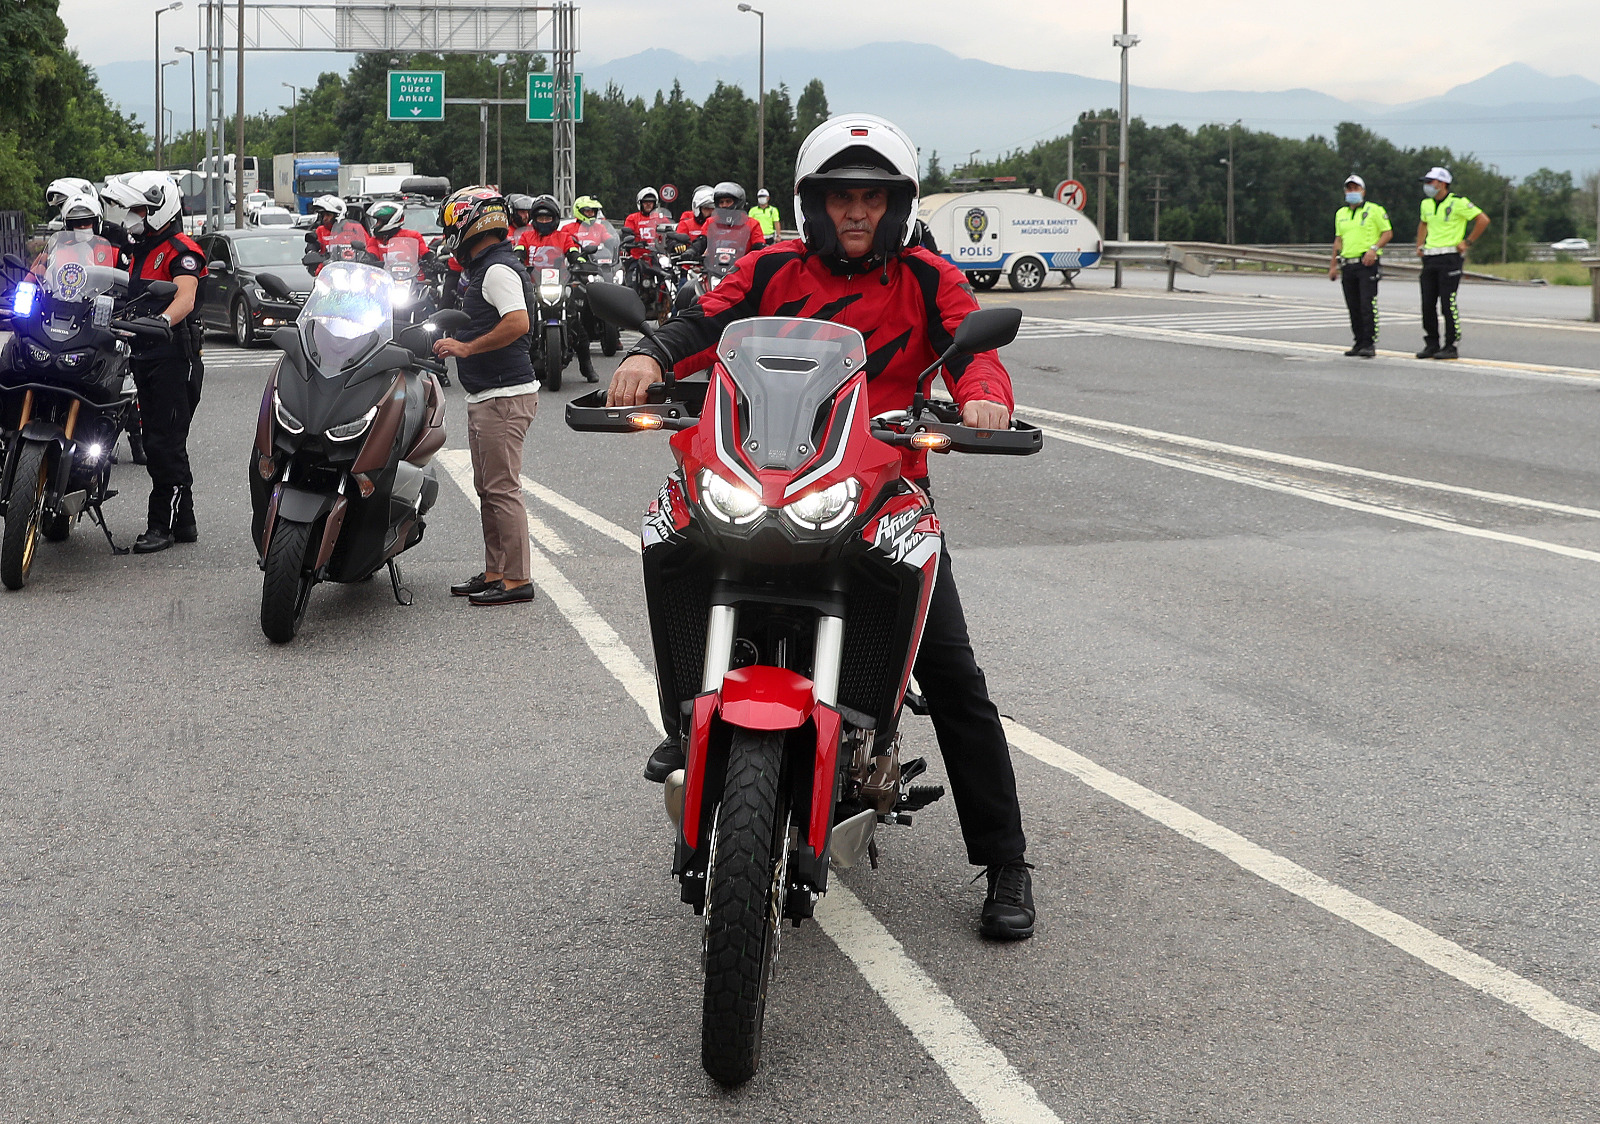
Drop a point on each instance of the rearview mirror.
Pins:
(449, 320)
(14, 262)
(987, 329)
(161, 290)
(619, 305)
(217, 266)
(276, 289)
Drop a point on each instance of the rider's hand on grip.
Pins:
(985, 415)
(630, 386)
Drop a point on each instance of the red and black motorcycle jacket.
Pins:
(167, 259)
(639, 223)
(691, 223)
(404, 234)
(908, 312)
(530, 243)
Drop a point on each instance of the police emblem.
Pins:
(977, 221)
(187, 261)
(71, 280)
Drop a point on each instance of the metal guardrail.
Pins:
(1201, 258)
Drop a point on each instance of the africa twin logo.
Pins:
(895, 533)
(976, 222)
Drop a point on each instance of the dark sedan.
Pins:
(232, 301)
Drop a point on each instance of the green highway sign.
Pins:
(416, 95)
(542, 97)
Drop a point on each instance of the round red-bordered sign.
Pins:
(669, 193)
(1072, 193)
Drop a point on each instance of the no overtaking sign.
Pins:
(416, 95)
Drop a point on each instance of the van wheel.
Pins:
(1026, 276)
(984, 279)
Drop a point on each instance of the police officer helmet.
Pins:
(67, 187)
(856, 150)
(156, 195)
(82, 209)
(727, 189)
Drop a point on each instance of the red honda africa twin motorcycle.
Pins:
(788, 566)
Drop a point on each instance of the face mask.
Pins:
(544, 226)
(1353, 198)
(1430, 190)
(135, 225)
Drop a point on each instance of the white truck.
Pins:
(1016, 233)
(372, 179)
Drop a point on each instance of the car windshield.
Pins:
(785, 370)
(348, 314)
(77, 266)
(285, 249)
(423, 218)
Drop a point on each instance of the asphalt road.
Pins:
(1339, 613)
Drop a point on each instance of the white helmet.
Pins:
(646, 193)
(330, 204)
(81, 206)
(155, 190)
(67, 187)
(703, 197)
(856, 149)
(763, 195)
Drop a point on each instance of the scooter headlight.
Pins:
(730, 502)
(349, 431)
(287, 420)
(821, 510)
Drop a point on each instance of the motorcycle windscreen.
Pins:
(600, 241)
(786, 369)
(347, 316)
(547, 257)
(400, 258)
(727, 238)
(77, 267)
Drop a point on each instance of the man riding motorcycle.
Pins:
(521, 212)
(694, 219)
(388, 224)
(332, 227)
(77, 206)
(729, 196)
(856, 200)
(545, 233)
(644, 223)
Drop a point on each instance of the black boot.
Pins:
(154, 539)
(1008, 907)
(1448, 351)
(1429, 350)
(585, 364)
(667, 759)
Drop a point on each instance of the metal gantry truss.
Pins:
(481, 27)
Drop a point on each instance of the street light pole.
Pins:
(172, 7)
(499, 96)
(761, 99)
(294, 119)
(1124, 42)
(194, 123)
(161, 114)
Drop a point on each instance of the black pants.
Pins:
(1441, 277)
(168, 391)
(971, 739)
(1361, 298)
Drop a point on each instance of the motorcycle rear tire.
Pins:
(552, 360)
(24, 515)
(610, 339)
(742, 917)
(286, 585)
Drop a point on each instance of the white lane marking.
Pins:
(581, 514)
(979, 1071)
(1438, 952)
(540, 530)
(1304, 462)
(1328, 498)
(601, 638)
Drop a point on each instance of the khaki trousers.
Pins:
(495, 430)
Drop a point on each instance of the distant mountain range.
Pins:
(1516, 116)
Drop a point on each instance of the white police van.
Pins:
(1016, 233)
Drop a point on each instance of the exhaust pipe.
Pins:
(672, 794)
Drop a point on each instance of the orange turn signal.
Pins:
(364, 484)
(645, 421)
(932, 442)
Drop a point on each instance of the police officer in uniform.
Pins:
(1360, 232)
(1442, 244)
(167, 372)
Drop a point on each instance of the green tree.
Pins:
(934, 180)
(811, 110)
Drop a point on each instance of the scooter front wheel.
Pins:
(286, 586)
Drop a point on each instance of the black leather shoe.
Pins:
(1008, 907)
(499, 593)
(1448, 351)
(474, 584)
(191, 533)
(1428, 351)
(153, 540)
(1367, 352)
(667, 758)
(1353, 352)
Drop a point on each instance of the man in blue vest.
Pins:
(492, 362)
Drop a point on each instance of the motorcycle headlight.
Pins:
(730, 502)
(550, 292)
(818, 511)
(402, 297)
(37, 354)
(74, 359)
(349, 431)
(287, 420)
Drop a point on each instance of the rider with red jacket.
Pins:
(646, 222)
(856, 198)
(544, 242)
(693, 221)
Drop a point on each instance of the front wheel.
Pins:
(1027, 276)
(552, 358)
(286, 586)
(610, 339)
(744, 901)
(24, 514)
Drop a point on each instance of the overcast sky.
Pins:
(1380, 52)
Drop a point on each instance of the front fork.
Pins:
(827, 658)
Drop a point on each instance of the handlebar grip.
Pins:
(148, 326)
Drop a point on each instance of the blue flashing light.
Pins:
(23, 300)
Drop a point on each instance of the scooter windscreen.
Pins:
(785, 370)
(347, 317)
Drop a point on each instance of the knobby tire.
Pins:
(23, 515)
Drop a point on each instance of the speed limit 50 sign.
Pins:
(1072, 193)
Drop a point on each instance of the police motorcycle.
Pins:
(601, 244)
(64, 394)
(788, 564)
(341, 475)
